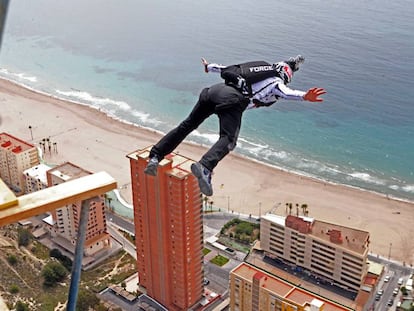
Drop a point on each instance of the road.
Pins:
(121, 239)
(219, 276)
(394, 271)
(126, 224)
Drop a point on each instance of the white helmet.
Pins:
(284, 71)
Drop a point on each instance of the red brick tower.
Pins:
(168, 230)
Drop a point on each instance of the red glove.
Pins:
(312, 95)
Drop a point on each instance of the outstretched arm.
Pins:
(211, 67)
(312, 95)
(205, 64)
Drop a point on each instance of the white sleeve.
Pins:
(283, 91)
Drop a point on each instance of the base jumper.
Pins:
(248, 85)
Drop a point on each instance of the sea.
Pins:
(139, 61)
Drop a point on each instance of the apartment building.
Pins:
(252, 289)
(16, 156)
(336, 253)
(168, 231)
(66, 219)
(35, 178)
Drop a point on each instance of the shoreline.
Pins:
(96, 142)
(196, 145)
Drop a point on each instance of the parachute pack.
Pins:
(251, 72)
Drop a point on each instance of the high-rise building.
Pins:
(66, 219)
(35, 178)
(16, 156)
(336, 253)
(168, 230)
(253, 289)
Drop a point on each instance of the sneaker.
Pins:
(152, 166)
(204, 178)
(294, 62)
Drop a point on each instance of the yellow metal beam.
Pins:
(49, 199)
(7, 197)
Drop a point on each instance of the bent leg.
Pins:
(202, 110)
(230, 122)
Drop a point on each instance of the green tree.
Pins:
(14, 289)
(12, 259)
(244, 228)
(24, 237)
(64, 260)
(86, 300)
(20, 306)
(53, 272)
(55, 253)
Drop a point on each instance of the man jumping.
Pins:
(228, 101)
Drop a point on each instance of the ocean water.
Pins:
(139, 61)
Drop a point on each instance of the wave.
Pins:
(19, 76)
(96, 101)
(367, 178)
(110, 106)
(406, 188)
(207, 138)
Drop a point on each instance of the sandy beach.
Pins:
(96, 142)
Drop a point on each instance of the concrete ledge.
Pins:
(49, 199)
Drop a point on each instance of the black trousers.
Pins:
(224, 101)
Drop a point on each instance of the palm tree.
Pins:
(304, 207)
(44, 144)
(211, 206)
(109, 203)
(290, 208)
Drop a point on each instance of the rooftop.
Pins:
(180, 165)
(67, 171)
(354, 240)
(38, 172)
(14, 144)
(285, 289)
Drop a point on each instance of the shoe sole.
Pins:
(205, 187)
(151, 170)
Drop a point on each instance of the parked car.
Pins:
(377, 297)
(390, 302)
(380, 292)
(387, 278)
(400, 281)
(395, 292)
